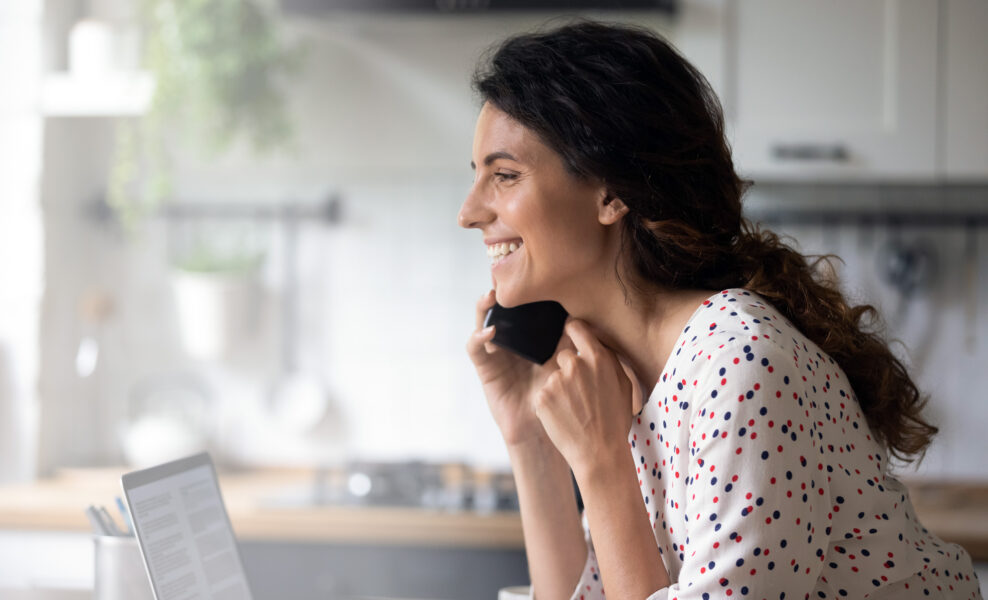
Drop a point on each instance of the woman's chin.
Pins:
(509, 298)
(505, 299)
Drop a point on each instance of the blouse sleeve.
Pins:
(757, 494)
(590, 586)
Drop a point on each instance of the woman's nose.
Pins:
(474, 212)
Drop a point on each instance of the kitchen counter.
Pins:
(57, 504)
(955, 511)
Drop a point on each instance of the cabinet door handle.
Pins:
(811, 152)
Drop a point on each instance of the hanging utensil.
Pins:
(971, 286)
(298, 401)
(95, 308)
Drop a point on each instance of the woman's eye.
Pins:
(505, 176)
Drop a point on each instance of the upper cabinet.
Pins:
(835, 91)
(965, 99)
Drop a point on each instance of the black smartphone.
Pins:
(531, 331)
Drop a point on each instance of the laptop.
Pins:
(184, 532)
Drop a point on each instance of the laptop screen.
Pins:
(184, 532)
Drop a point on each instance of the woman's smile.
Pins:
(499, 252)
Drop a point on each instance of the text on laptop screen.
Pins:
(188, 544)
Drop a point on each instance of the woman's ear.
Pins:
(610, 209)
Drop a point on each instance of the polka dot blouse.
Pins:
(762, 480)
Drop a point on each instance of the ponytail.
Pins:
(806, 293)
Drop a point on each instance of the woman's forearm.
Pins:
(554, 539)
(630, 563)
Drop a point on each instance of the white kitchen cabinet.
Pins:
(833, 91)
(965, 81)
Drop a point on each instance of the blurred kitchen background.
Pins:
(231, 225)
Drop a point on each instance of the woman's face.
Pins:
(523, 195)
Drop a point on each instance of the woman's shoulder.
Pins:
(737, 317)
(737, 347)
(738, 331)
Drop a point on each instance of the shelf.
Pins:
(125, 94)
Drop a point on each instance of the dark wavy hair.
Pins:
(618, 103)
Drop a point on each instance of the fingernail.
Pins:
(488, 329)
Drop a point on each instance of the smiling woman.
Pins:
(524, 195)
(727, 415)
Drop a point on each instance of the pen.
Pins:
(126, 516)
(99, 528)
(111, 525)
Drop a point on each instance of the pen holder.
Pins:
(120, 573)
(519, 592)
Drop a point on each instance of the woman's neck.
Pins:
(640, 333)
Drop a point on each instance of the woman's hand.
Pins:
(585, 405)
(509, 381)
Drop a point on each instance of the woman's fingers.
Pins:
(565, 358)
(483, 305)
(540, 403)
(637, 395)
(577, 341)
(479, 343)
(582, 338)
(565, 344)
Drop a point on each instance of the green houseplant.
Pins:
(219, 68)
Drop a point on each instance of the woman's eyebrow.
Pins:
(494, 156)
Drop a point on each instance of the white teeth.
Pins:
(497, 252)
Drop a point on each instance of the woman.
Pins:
(725, 413)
